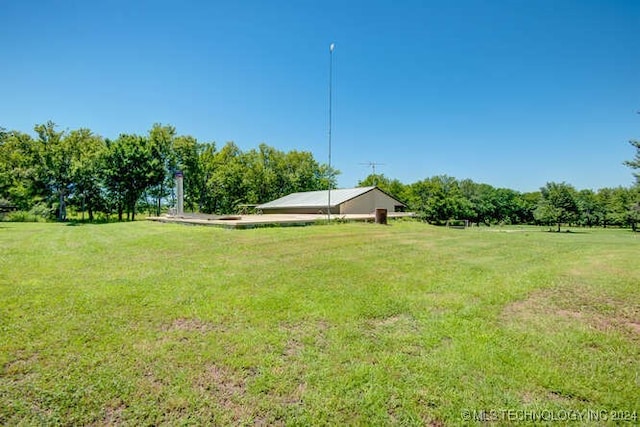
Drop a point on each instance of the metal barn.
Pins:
(360, 200)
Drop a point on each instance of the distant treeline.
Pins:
(442, 198)
(78, 171)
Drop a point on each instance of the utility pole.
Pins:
(331, 47)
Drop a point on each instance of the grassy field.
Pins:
(360, 324)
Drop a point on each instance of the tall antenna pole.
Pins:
(331, 47)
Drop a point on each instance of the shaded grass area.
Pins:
(146, 323)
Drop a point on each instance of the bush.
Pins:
(38, 213)
(19, 216)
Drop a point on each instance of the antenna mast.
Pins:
(373, 166)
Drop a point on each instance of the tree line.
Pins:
(443, 198)
(78, 169)
(56, 170)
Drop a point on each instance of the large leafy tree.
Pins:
(234, 177)
(558, 204)
(19, 167)
(482, 201)
(85, 170)
(303, 173)
(162, 162)
(439, 199)
(128, 169)
(589, 207)
(55, 155)
(226, 183)
(187, 152)
(263, 174)
(207, 164)
(623, 207)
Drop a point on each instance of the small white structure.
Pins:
(360, 200)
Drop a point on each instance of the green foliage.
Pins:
(188, 152)
(86, 172)
(130, 168)
(558, 204)
(55, 154)
(635, 163)
(162, 163)
(19, 164)
(442, 198)
(82, 171)
(38, 213)
(234, 177)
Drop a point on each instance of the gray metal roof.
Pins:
(316, 199)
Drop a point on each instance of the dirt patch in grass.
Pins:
(20, 366)
(223, 380)
(575, 304)
(189, 325)
(300, 333)
(292, 348)
(531, 397)
(228, 389)
(634, 326)
(113, 414)
(395, 320)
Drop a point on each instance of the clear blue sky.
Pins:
(509, 93)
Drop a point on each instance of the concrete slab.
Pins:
(252, 221)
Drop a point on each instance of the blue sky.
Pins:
(513, 93)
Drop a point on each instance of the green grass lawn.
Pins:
(146, 323)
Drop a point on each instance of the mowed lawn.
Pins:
(156, 324)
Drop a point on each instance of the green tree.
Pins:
(234, 177)
(226, 183)
(633, 215)
(86, 162)
(187, 153)
(481, 199)
(303, 173)
(207, 161)
(19, 168)
(635, 163)
(128, 170)
(558, 204)
(589, 208)
(439, 199)
(263, 174)
(55, 165)
(623, 207)
(162, 162)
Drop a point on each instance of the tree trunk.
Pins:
(62, 213)
(159, 200)
(558, 227)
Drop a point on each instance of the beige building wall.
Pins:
(368, 203)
